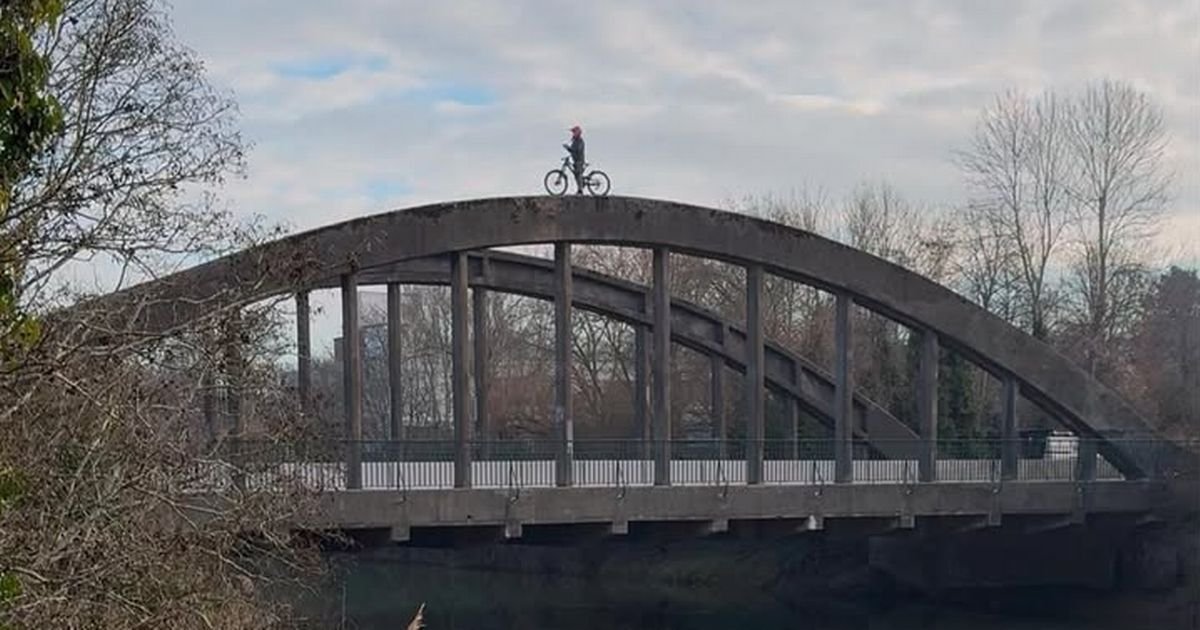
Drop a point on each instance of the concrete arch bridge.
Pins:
(873, 469)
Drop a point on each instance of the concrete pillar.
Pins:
(927, 407)
(460, 359)
(1085, 465)
(352, 380)
(395, 354)
(208, 406)
(233, 377)
(235, 371)
(1008, 436)
(792, 430)
(479, 330)
(563, 413)
(716, 403)
(304, 353)
(843, 404)
(662, 366)
(641, 389)
(755, 377)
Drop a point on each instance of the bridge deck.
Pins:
(715, 508)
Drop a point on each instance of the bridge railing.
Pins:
(541, 462)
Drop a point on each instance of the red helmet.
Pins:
(576, 130)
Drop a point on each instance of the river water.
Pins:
(379, 595)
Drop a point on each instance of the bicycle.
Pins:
(558, 180)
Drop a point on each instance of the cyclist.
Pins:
(576, 151)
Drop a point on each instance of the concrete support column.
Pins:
(233, 377)
(1085, 466)
(234, 373)
(755, 377)
(563, 412)
(843, 404)
(460, 371)
(716, 403)
(304, 353)
(208, 405)
(479, 330)
(927, 407)
(1008, 433)
(792, 430)
(661, 427)
(641, 389)
(352, 380)
(395, 356)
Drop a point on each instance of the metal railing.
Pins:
(540, 462)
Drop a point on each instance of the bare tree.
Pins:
(1017, 169)
(144, 137)
(879, 220)
(1117, 141)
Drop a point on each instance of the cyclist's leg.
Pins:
(578, 168)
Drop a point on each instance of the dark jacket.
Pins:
(576, 151)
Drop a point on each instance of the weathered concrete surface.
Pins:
(365, 509)
(1045, 377)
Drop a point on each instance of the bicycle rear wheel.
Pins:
(556, 182)
(598, 183)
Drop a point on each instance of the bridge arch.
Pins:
(312, 258)
(692, 326)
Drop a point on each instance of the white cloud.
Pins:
(692, 101)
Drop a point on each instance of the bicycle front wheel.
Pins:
(555, 182)
(598, 183)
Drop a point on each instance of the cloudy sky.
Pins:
(359, 106)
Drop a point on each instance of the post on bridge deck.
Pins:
(479, 332)
(792, 430)
(460, 358)
(208, 405)
(641, 389)
(843, 404)
(1008, 431)
(563, 412)
(234, 372)
(1086, 454)
(927, 408)
(755, 391)
(352, 379)
(395, 354)
(303, 353)
(716, 401)
(661, 426)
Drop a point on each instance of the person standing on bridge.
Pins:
(576, 151)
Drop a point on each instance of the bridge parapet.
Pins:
(417, 465)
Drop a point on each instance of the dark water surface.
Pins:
(381, 594)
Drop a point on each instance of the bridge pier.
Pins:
(352, 380)
(563, 412)
(662, 366)
(755, 392)
(843, 404)
(460, 358)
